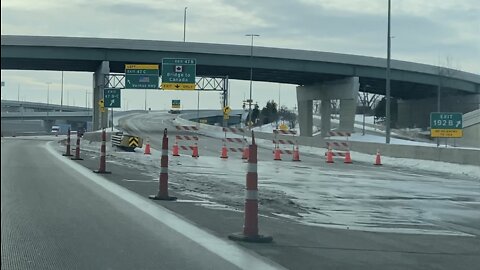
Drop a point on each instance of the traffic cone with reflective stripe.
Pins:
(250, 227)
(377, 159)
(77, 150)
(245, 152)
(277, 155)
(147, 148)
(175, 150)
(67, 151)
(103, 154)
(296, 153)
(195, 150)
(329, 155)
(162, 193)
(348, 159)
(224, 151)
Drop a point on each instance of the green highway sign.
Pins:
(141, 76)
(178, 73)
(175, 103)
(111, 97)
(446, 125)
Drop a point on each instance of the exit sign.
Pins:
(446, 125)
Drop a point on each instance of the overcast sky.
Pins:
(437, 32)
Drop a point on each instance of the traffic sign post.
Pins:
(446, 125)
(141, 76)
(101, 104)
(226, 112)
(112, 97)
(178, 73)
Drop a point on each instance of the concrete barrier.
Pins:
(97, 136)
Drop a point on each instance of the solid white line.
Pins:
(134, 180)
(229, 251)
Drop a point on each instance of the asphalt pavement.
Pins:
(59, 215)
(56, 216)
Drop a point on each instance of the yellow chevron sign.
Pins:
(133, 141)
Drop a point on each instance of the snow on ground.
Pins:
(394, 200)
(368, 119)
(398, 197)
(357, 125)
(107, 130)
(269, 128)
(436, 166)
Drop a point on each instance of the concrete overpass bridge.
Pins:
(15, 113)
(26, 106)
(81, 116)
(319, 75)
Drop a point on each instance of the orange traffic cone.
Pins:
(277, 155)
(329, 156)
(175, 150)
(224, 152)
(296, 154)
(245, 152)
(348, 159)
(377, 159)
(195, 150)
(147, 148)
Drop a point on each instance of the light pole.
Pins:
(387, 88)
(61, 95)
(184, 23)
(251, 79)
(48, 92)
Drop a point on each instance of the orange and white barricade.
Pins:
(235, 144)
(186, 142)
(339, 148)
(284, 146)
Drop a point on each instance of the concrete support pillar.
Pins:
(344, 89)
(347, 114)
(305, 117)
(99, 119)
(325, 111)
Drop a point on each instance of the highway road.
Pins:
(59, 215)
(386, 198)
(405, 204)
(322, 216)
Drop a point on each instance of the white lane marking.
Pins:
(227, 250)
(137, 180)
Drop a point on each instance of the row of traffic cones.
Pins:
(348, 159)
(175, 150)
(277, 153)
(224, 153)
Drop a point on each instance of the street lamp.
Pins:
(251, 79)
(61, 95)
(48, 92)
(387, 88)
(184, 23)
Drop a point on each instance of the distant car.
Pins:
(55, 129)
(81, 131)
(174, 111)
